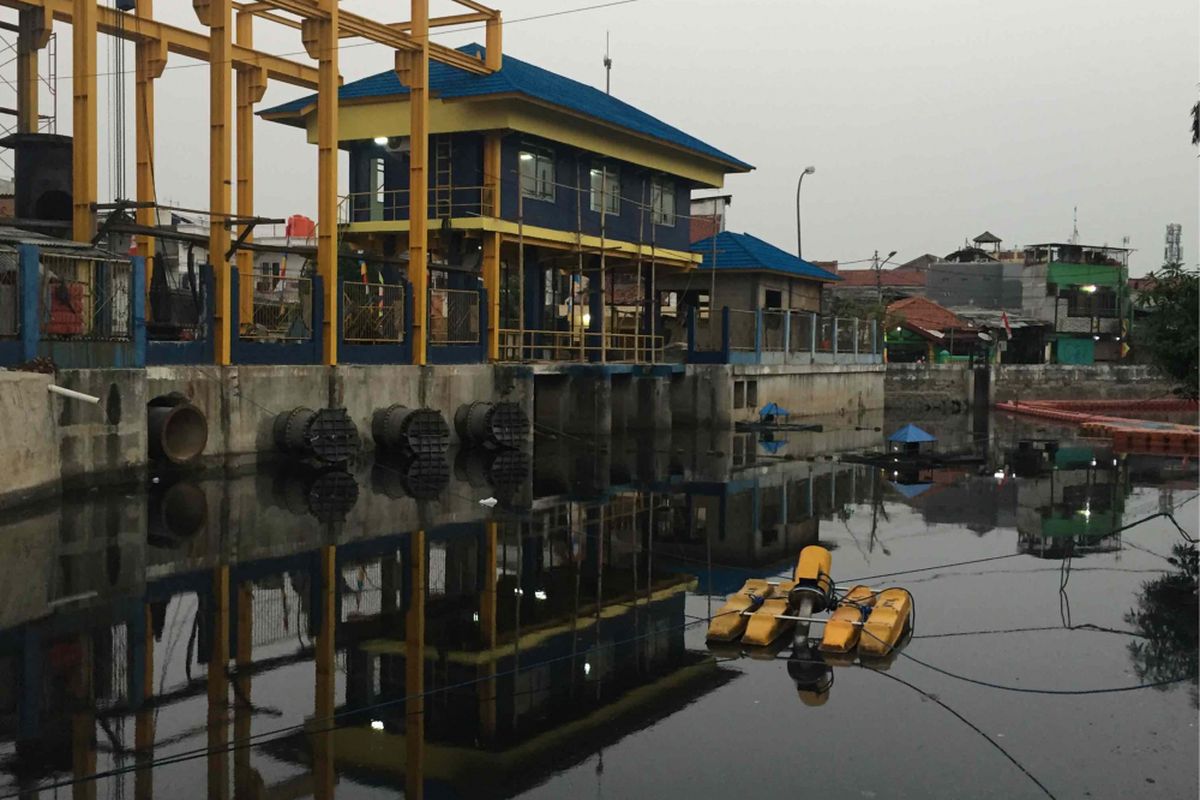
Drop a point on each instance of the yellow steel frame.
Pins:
(321, 24)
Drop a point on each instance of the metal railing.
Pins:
(845, 335)
(10, 294)
(742, 325)
(773, 323)
(824, 343)
(801, 333)
(453, 316)
(865, 343)
(281, 307)
(85, 298)
(391, 205)
(372, 312)
(578, 345)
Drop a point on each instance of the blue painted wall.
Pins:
(571, 167)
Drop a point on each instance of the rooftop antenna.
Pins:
(1075, 226)
(607, 67)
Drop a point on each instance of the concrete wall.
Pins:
(718, 396)
(27, 435)
(51, 441)
(949, 388)
(1082, 382)
(943, 388)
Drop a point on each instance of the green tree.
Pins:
(1170, 330)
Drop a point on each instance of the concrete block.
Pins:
(28, 437)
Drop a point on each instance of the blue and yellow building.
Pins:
(562, 202)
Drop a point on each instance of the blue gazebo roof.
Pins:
(741, 251)
(911, 434)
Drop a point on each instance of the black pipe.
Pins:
(410, 431)
(501, 424)
(328, 434)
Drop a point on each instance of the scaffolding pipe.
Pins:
(637, 324)
(603, 265)
(579, 250)
(521, 266)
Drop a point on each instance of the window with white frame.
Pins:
(537, 173)
(662, 201)
(606, 184)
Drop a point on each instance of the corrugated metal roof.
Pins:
(11, 237)
(521, 77)
(745, 252)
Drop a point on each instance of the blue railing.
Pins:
(736, 336)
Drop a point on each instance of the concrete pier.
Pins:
(53, 442)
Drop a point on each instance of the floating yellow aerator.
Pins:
(762, 611)
(730, 620)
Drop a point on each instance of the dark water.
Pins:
(387, 634)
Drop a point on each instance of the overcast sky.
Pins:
(927, 121)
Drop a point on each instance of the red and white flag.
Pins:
(1007, 327)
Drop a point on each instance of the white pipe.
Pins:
(74, 395)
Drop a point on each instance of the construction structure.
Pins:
(228, 48)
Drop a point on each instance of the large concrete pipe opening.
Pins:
(177, 430)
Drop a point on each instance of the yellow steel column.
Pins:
(327, 173)
(83, 124)
(243, 773)
(32, 35)
(493, 57)
(83, 725)
(413, 67)
(150, 56)
(218, 16)
(414, 672)
(487, 625)
(326, 673)
(491, 240)
(218, 687)
(251, 84)
(143, 731)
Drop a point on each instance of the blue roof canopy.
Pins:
(911, 490)
(911, 434)
(520, 77)
(741, 251)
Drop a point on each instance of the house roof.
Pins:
(898, 277)
(520, 77)
(987, 237)
(923, 313)
(741, 251)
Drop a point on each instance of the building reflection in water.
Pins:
(386, 631)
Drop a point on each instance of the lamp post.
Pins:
(879, 276)
(807, 171)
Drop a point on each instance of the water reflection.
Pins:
(381, 626)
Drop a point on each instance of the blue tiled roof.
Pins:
(746, 252)
(520, 77)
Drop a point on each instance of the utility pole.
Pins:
(878, 280)
(607, 67)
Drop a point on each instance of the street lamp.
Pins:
(807, 171)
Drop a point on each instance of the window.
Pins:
(537, 174)
(662, 201)
(378, 182)
(773, 298)
(606, 183)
